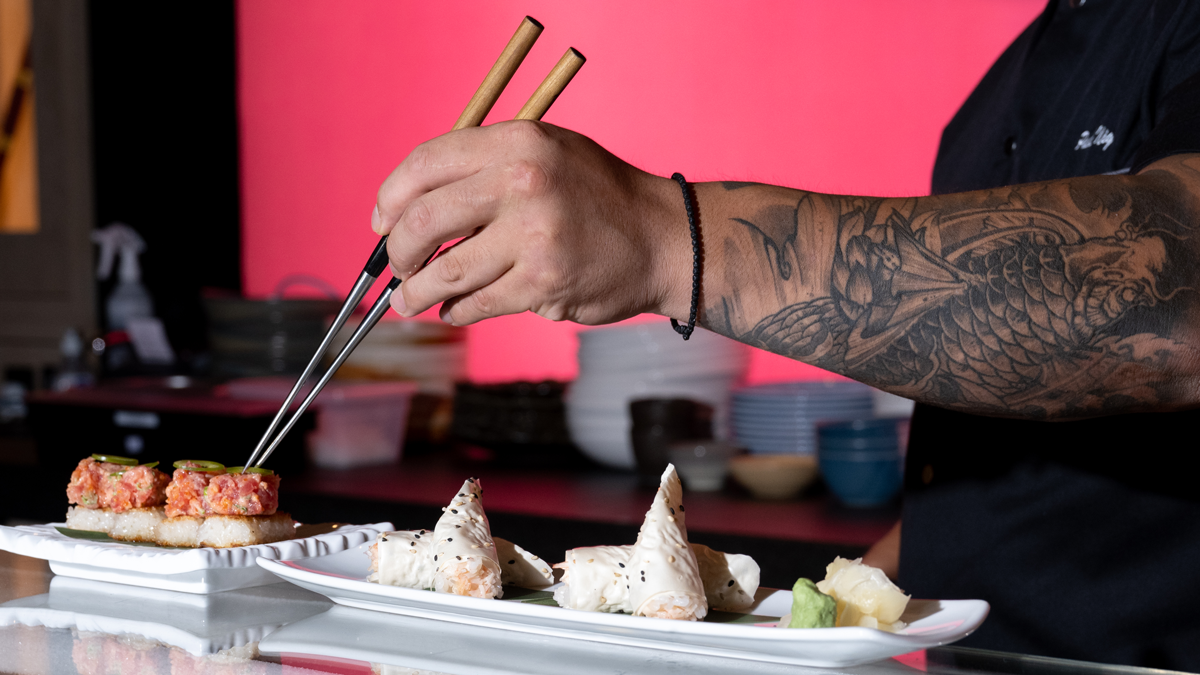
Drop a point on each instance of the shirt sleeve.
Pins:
(1179, 129)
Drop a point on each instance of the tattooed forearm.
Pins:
(1055, 300)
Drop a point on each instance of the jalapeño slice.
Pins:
(201, 465)
(250, 469)
(151, 465)
(115, 459)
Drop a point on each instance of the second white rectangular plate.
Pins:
(342, 578)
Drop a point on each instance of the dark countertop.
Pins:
(596, 495)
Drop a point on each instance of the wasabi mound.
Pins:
(810, 607)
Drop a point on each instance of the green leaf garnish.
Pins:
(115, 459)
(101, 536)
(250, 469)
(202, 465)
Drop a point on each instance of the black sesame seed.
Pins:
(453, 510)
(383, 539)
(672, 511)
(412, 543)
(511, 562)
(681, 508)
(435, 558)
(459, 557)
(418, 536)
(731, 583)
(622, 565)
(458, 527)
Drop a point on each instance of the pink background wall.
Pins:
(843, 97)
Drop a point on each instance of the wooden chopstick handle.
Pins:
(552, 86)
(501, 72)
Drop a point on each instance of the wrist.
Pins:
(670, 282)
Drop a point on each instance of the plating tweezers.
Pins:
(477, 109)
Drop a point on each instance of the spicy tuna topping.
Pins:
(104, 485)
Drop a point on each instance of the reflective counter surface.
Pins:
(53, 624)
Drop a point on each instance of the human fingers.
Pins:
(507, 294)
(432, 164)
(449, 212)
(470, 264)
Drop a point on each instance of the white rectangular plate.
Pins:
(342, 578)
(186, 570)
(198, 624)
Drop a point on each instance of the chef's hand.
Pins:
(551, 223)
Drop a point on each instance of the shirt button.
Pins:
(1010, 146)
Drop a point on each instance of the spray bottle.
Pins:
(129, 299)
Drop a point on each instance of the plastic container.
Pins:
(358, 424)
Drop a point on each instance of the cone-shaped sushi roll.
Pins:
(594, 579)
(519, 567)
(730, 579)
(463, 551)
(403, 558)
(664, 578)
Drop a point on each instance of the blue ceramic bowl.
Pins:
(841, 445)
(862, 478)
(888, 427)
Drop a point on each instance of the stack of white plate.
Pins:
(430, 353)
(625, 363)
(782, 417)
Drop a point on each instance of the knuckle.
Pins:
(554, 312)
(451, 270)
(526, 133)
(420, 158)
(529, 178)
(545, 277)
(419, 220)
(477, 305)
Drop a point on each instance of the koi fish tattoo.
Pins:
(1055, 300)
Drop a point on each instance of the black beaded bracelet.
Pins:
(688, 201)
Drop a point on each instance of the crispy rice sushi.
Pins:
(117, 496)
(209, 505)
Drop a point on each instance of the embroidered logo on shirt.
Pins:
(1101, 137)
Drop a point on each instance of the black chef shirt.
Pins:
(1084, 536)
